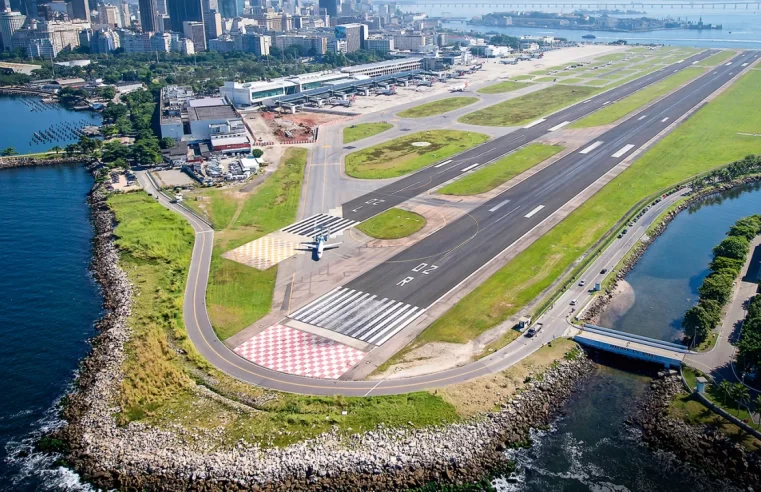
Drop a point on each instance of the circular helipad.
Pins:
(421, 144)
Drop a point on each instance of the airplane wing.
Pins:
(311, 243)
(331, 246)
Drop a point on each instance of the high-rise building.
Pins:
(210, 14)
(10, 22)
(161, 7)
(332, 7)
(149, 20)
(353, 34)
(256, 44)
(181, 11)
(194, 31)
(108, 15)
(125, 15)
(230, 9)
(80, 9)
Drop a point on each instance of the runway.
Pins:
(458, 250)
(369, 204)
(410, 282)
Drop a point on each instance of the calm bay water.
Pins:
(591, 447)
(23, 116)
(49, 303)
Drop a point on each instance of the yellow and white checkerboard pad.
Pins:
(266, 251)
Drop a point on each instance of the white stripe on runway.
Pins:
(642, 117)
(606, 103)
(728, 64)
(584, 102)
(470, 167)
(533, 212)
(558, 127)
(591, 147)
(443, 163)
(680, 61)
(498, 206)
(744, 65)
(534, 123)
(664, 120)
(695, 62)
(624, 150)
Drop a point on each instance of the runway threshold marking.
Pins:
(591, 147)
(443, 163)
(664, 120)
(642, 117)
(470, 167)
(558, 127)
(534, 123)
(624, 150)
(533, 212)
(499, 205)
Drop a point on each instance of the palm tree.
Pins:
(741, 395)
(726, 390)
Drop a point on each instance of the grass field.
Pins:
(493, 175)
(619, 109)
(719, 57)
(546, 79)
(571, 81)
(363, 130)
(705, 141)
(597, 82)
(523, 77)
(437, 107)
(502, 87)
(398, 157)
(529, 107)
(394, 223)
(237, 294)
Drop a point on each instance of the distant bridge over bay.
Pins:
(513, 5)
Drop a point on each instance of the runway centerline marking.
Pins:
(534, 123)
(470, 167)
(558, 127)
(443, 164)
(499, 205)
(508, 213)
(624, 150)
(664, 120)
(591, 147)
(533, 212)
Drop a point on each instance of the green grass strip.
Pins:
(394, 223)
(619, 109)
(705, 141)
(363, 130)
(399, 156)
(437, 107)
(502, 87)
(529, 107)
(716, 59)
(503, 170)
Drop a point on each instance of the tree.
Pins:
(740, 394)
(733, 247)
(726, 390)
(56, 149)
(723, 263)
(697, 323)
(257, 153)
(9, 152)
(107, 92)
(717, 287)
(167, 143)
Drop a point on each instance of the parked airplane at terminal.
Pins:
(319, 245)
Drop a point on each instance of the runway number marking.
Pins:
(423, 268)
(374, 201)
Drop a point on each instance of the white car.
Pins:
(573, 302)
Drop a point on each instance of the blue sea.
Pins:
(48, 303)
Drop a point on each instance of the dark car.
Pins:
(603, 271)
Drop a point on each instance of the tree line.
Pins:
(749, 165)
(749, 348)
(716, 290)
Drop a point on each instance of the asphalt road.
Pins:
(374, 202)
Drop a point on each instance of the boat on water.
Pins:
(589, 36)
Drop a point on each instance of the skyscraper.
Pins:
(332, 7)
(231, 8)
(149, 16)
(10, 22)
(80, 9)
(183, 11)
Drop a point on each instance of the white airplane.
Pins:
(319, 245)
(459, 88)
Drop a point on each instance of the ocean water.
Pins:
(23, 116)
(49, 303)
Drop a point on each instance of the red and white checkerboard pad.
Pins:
(292, 351)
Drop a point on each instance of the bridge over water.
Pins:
(630, 345)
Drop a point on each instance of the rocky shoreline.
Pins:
(594, 311)
(703, 446)
(139, 457)
(12, 162)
